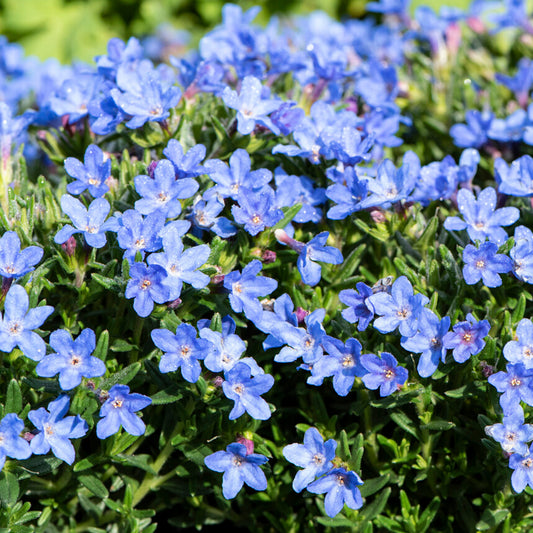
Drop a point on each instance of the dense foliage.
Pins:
(279, 281)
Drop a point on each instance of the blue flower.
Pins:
(342, 361)
(485, 263)
(180, 265)
(481, 218)
(359, 310)
(512, 433)
(204, 217)
(521, 350)
(522, 464)
(515, 385)
(90, 221)
(247, 287)
(383, 373)
(18, 322)
(401, 308)
(91, 174)
(256, 209)
(72, 359)
(181, 350)
(163, 192)
(314, 250)
(428, 342)
(225, 350)
(391, 184)
(186, 165)
(515, 179)
(251, 107)
(315, 457)
(466, 339)
(239, 467)
(119, 410)
(138, 234)
(346, 193)
(146, 286)
(245, 391)
(55, 430)
(230, 178)
(146, 97)
(522, 254)
(341, 486)
(11, 443)
(14, 262)
(473, 134)
(521, 83)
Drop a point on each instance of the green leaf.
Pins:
(120, 345)
(374, 509)
(490, 519)
(87, 462)
(438, 425)
(94, 485)
(520, 309)
(371, 486)
(13, 397)
(141, 461)
(428, 515)
(110, 284)
(9, 489)
(123, 376)
(102, 345)
(428, 235)
(166, 396)
(402, 420)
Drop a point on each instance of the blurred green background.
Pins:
(79, 29)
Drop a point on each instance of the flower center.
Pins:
(145, 284)
(389, 374)
(75, 360)
(515, 382)
(256, 219)
(48, 429)
(347, 361)
(480, 264)
(117, 403)
(467, 337)
(318, 459)
(140, 243)
(402, 314)
(15, 328)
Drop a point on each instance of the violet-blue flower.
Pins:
(485, 263)
(180, 265)
(181, 350)
(251, 107)
(340, 360)
(18, 322)
(56, 430)
(467, 338)
(146, 287)
(481, 218)
(427, 341)
(245, 391)
(514, 385)
(163, 192)
(359, 310)
(383, 373)
(239, 467)
(342, 487)
(11, 443)
(399, 309)
(522, 464)
(14, 262)
(256, 209)
(512, 434)
(91, 174)
(230, 178)
(521, 349)
(72, 358)
(247, 287)
(91, 221)
(119, 410)
(473, 134)
(315, 457)
(186, 165)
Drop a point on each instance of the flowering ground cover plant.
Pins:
(280, 282)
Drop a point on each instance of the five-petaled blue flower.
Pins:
(467, 338)
(245, 391)
(315, 457)
(485, 263)
(56, 430)
(91, 174)
(119, 410)
(481, 218)
(11, 443)
(72, 359)
(383, 373)
(18, 322)
(14, 262)
(239, 467)
(341, 486)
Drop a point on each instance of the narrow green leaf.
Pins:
(94, 485)
(123, 376)
(9, 489)
(402, 420)
(371, 486)
(102, 345)
(428, 235)
(13, 397)
(520, 309)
